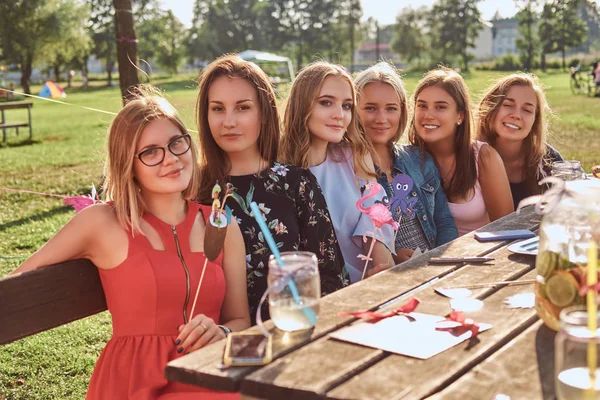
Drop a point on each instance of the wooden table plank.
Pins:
(292, 374)
(523, 369)
(203, 367)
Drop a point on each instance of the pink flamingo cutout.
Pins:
(380, 215)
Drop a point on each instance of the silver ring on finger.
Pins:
(203, 326)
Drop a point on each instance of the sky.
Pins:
(383, 10)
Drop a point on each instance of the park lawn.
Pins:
(66, 157)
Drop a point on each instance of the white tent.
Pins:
(259, 57)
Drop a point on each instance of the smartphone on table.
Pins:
(247, 349)
(504, 235)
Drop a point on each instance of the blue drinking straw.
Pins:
(308, 312)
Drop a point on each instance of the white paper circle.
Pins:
(466, 305)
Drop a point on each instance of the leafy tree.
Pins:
(455, 26)
(71, 43)
(409, 38)
(528, 42)
(222, 26)
(101, 26)
(570, 29)
(546, 33)
(30, 29)
(170, 50)
(305, 27)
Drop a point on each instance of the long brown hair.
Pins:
(534, 143)
(465, 172)
(120, 187)
(214, 163)
(383, 72)
(302, 98)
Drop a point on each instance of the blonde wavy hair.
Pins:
(120, 186)
(383, 72)
(296, 135)
(534, 143)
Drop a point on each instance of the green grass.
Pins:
(66, 156)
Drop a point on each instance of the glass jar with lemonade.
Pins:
(570, 222)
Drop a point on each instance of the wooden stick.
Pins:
(489, 284)
(198, 290)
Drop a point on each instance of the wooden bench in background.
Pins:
(13, 105)
(48, 297)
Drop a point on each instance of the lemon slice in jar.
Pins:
(561, 289)
(546, 263)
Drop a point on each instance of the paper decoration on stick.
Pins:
(403, 185)
(380, 215)
(214, 236)
(81, 202)
(77, 202)
(214, 233)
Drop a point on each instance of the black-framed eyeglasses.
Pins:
(156, 155)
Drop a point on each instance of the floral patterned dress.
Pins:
(297, 216)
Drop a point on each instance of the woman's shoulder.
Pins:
(552, 154)
(487, 156)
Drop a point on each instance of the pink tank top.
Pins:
(472, 214)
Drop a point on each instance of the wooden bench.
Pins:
(13, 105)
(48, 297)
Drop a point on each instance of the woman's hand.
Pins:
(197, 333)
(377, 269)
(403, 255)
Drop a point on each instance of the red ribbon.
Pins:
(373, 316)
(466, 324)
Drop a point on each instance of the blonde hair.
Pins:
(302, 98)
(534, 143)
(465, 172)
(383, 72)
(213, 160)
(120, 186)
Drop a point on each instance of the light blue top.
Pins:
(341, 189)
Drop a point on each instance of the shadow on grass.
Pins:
(36, 217)
(20, 143)
(185, 84)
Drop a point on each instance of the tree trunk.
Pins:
(351, 26)
(564, 63)
(126, 47)
(543, 62)
(109, 68)
(377, 42)
(26, 69)
(56, 72)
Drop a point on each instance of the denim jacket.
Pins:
(432, 208)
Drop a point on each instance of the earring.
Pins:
(459, 122)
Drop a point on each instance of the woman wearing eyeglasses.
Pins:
(147, 242)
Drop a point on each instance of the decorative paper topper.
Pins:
(403, 185)
(214, 234)
(380, 215)
(77, 202)
(214, 237)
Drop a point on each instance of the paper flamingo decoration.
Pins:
(214, 234)
(380, 215)
(77, 202)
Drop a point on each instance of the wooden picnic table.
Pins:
(513, 358)
(13, 105)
